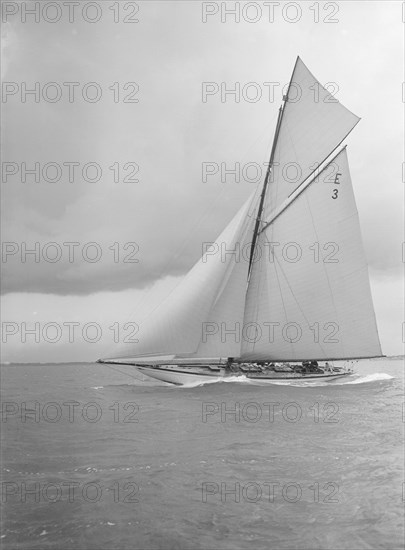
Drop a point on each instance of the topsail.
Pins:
(313, 124)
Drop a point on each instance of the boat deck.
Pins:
(254, 373)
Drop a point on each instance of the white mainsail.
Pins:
(306, 295)
(309, 294)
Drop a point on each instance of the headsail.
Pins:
(309, 294)
(188, 322)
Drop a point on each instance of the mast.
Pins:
(264, 190)
(268, 172)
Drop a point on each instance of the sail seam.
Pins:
(295, 299)
(323, 263)
(281, 293)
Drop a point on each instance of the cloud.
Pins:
(170, 132)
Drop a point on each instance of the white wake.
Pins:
(344, 381)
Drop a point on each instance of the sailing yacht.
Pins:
(292, 288)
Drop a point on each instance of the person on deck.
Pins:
(228, 366)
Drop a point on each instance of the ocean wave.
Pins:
(215, 380)
(354, 379)
(368, 378)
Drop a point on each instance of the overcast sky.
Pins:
(166, 136)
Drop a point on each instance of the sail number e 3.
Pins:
(336, 182)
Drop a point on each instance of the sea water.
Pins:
(99, 457)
